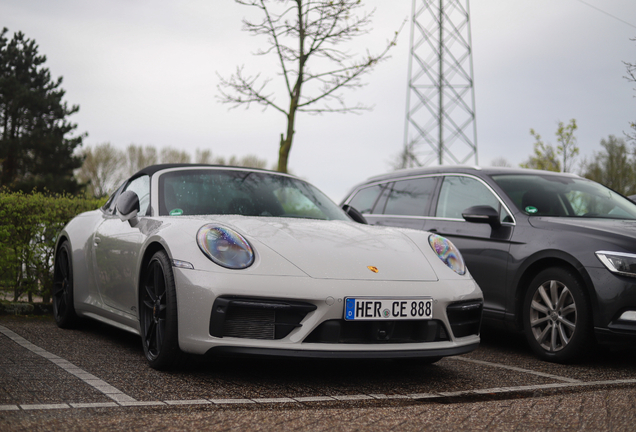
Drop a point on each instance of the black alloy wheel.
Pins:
(63, 308)
(557, 317)
(158, 314)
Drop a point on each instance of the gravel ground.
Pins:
(46, 374)
(600, 410)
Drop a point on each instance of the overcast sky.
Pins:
(145, 72)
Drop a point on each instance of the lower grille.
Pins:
(465, 317)
(254, 318)
(250, 323)
(378, 332)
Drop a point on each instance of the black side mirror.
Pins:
(354, 214)
(128, 207)
(482, 214)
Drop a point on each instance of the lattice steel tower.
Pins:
(440, 105)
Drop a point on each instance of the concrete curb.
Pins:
(21, 308)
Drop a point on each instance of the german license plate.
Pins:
(374, 308)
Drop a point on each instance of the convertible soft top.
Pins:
(150, 170)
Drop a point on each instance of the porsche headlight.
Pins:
(448, 253)
(618, 262)
(225, 246)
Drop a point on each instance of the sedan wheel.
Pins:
(557, 317)
(158, 314)
(63, 308)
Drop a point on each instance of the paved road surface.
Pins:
(96, 377)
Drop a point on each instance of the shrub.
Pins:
(29, 225)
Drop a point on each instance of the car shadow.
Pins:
(503, 344)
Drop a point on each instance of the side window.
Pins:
(141, 186)
(364, 200)
(459, 193)
(410, 197)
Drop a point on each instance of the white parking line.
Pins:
(517, 369)
(100, 385)
(122, 400)
(300, 400)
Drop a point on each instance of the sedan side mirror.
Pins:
(482, 214)
(354, 214)
(128, 207)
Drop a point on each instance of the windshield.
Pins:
(247, 193)
(554, 195)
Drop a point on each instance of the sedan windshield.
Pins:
(554, 195)
(247, 193)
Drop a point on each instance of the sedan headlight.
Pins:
(225, 247)
(448, 253)
(618, 262)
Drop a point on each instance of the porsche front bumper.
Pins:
(323, 300)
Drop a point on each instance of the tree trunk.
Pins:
(286, 142)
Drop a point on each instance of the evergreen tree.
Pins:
(35, 147)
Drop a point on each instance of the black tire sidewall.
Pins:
(69, 318)
(169, 353)
(582, 337)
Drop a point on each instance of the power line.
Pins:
(607, 13)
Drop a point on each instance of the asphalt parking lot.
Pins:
(96, 377)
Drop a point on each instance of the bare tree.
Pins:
(172, 155)
(407, 158)
(298, 31)
(249, 160)
(101, 169)
(500, 162)
(138, 157)
(613, 166)
(105, 166)
(631, 76)
(567, 147)
(546, 157)
(203, 156)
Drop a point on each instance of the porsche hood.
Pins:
(338, 250)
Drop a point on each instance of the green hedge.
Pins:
(29, 225)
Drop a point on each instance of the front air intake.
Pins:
(256, 318)
(465, 317)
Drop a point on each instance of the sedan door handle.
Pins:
(433, 230)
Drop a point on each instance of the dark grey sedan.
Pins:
(554, 254)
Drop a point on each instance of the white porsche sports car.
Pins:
(219, 260)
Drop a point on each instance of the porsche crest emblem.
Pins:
(373, 269)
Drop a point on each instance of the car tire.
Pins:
(158, 314)
(557, 316)
(63, 307)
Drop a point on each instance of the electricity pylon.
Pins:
(440, 105)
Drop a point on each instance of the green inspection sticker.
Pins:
(531, 210)
(176, 212)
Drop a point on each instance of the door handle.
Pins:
(433, 230)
